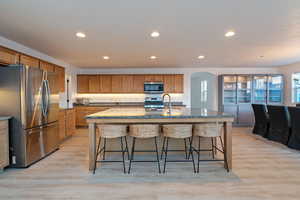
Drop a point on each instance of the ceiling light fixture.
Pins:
(153, 57)
(80, 35)
(106, 57)
(201, 57)
(155, 34)
(229, 34)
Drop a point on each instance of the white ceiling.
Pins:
(188, 28)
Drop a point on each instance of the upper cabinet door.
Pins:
(29, 61)
(169, 83)
(61, 77)
(47, 66)
(275, 89)
(244, 88)
(94, 84)
(127, 83)
(154, 78)
(178, 79)
(260, 89)
(229, 89)
(116, 83)
(105, 83)
(138, 83)
(8, 57)
(82, 83)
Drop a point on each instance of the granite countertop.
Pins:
(122, 104)
(140, 113)
(4, 118)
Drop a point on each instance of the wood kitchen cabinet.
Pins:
(8, 57)
(61, 77)
(47, 66)
(82, 111)
(82, 83)
(127, 84)
(154, 78)
(4, 144)
(124, 83)
(66, 121)
(94, 84)
(105, 83)
(62, 124)
(169, 83)
(178, 83)
(138, 83)
(70, 122)
(29, 61)
(116, 83)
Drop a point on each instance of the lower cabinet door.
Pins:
(245, 115)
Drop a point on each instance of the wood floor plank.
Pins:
(261, 170)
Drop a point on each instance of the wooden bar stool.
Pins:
(112, 132)
(143, 131)
(213, 131)
(177, 131)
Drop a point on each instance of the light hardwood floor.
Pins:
(261, 170)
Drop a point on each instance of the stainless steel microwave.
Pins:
(153, 87)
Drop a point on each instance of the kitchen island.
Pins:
(139, 115)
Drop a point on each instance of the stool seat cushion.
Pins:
(112, 131)
(177, 130)
(144, 130)
(208, 130)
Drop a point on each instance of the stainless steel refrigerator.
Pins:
(31, 96)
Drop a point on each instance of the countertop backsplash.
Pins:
(94, 98)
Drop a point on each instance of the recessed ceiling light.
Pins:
(155, 34)
(201, 57)
(80, 35)
(153, 57)
(106, 57)
(229, 34)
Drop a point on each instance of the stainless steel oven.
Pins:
(153, 87)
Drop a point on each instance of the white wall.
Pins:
(186, 71)
(288, 70)
(70, 70)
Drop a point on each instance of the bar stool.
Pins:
(213, 131)
(143, 131)
(177, 131)
(112, 132)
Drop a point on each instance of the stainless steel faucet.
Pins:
(169, 104)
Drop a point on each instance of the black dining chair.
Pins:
(294, 141)
(279, 130)
(261, 126)
(298, 105)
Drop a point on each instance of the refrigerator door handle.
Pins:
(48, 96)
(43, 103)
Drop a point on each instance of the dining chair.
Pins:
(294, 140)
(262, 121)
(279, 130)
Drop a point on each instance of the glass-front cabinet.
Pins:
(244, 87)
(275, 88)
(238, 92)
(229, 88)
(260, 89)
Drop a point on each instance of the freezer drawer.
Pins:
(40, 142)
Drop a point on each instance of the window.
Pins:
(203, 97)
(296, 88)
